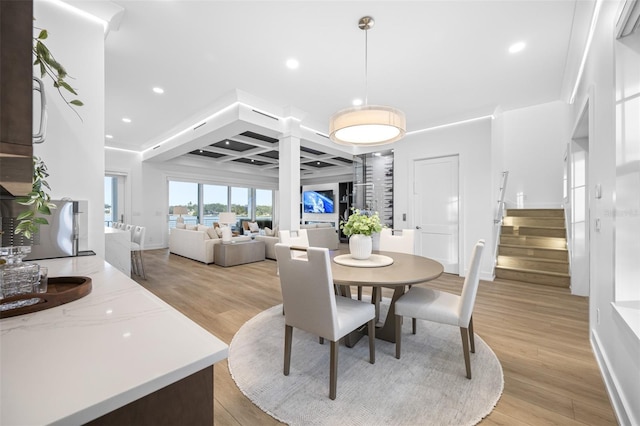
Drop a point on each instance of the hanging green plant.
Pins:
(51, 67)
(38, 200)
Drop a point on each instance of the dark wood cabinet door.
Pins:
(16, 95)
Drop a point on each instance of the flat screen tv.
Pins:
(317, 201)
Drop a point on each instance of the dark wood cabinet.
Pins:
(16, 96)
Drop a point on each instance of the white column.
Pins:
(289, 176)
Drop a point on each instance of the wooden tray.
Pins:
(60, 290)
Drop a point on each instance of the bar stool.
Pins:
(137, 240)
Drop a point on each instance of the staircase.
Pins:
(533, 247)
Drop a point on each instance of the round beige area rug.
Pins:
(427, 386)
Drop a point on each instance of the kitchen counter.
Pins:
(77, 362)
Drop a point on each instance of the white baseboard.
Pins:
(155, 246)
(487, 276)
(618, 401)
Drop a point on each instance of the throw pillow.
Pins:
(211, 232)
(268, 232)
(192, 227)
(202, 228)
(253, 227)
(219, 232)
(181, 226)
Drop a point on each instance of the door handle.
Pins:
(418, 227)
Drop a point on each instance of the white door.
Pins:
(435, 206)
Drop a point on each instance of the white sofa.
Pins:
(196, 244)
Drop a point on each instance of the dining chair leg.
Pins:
(471, 334)
(359, 292)
(133, 263)
(139, 255)
(414, 325)
(333, 373)
(464, 333)
(321, 340)
(375, 295)
(398, 335)
(288, 334)
(372, 341)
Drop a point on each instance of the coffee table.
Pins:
(239, 253)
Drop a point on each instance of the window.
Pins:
(205, 202)
(264, 205)
(214, 201)
(240, 204)
(183, 194)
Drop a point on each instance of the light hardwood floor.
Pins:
(540, 335)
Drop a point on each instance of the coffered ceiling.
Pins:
(246, 149)
(438, 61)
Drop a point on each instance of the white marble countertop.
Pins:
(78, 361)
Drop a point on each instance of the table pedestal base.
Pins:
(387, 331)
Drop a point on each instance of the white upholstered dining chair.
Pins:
(445, 308)
(310, 304)
(394, 240)
(298, 238)
(398, 240)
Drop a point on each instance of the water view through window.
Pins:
(205, 202)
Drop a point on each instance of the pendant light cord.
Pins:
(366, 69)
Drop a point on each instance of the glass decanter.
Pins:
(17, 277)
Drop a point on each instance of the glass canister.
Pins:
(17, 277)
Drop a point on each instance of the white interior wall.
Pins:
(616, 347)
(472, 142)
(74, 149)
(534, 143)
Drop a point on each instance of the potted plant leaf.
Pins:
(38, 200)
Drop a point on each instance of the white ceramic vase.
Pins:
(360, 246)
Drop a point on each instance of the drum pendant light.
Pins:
(367, 125)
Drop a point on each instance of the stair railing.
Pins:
(498, 218)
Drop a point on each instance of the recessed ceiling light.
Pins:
(292, 64)
(200, 151)
(252, 160)
(108, 136)
(226, 142)
(126, 120)
(158, 90)
(517, 47)
(357, 102)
